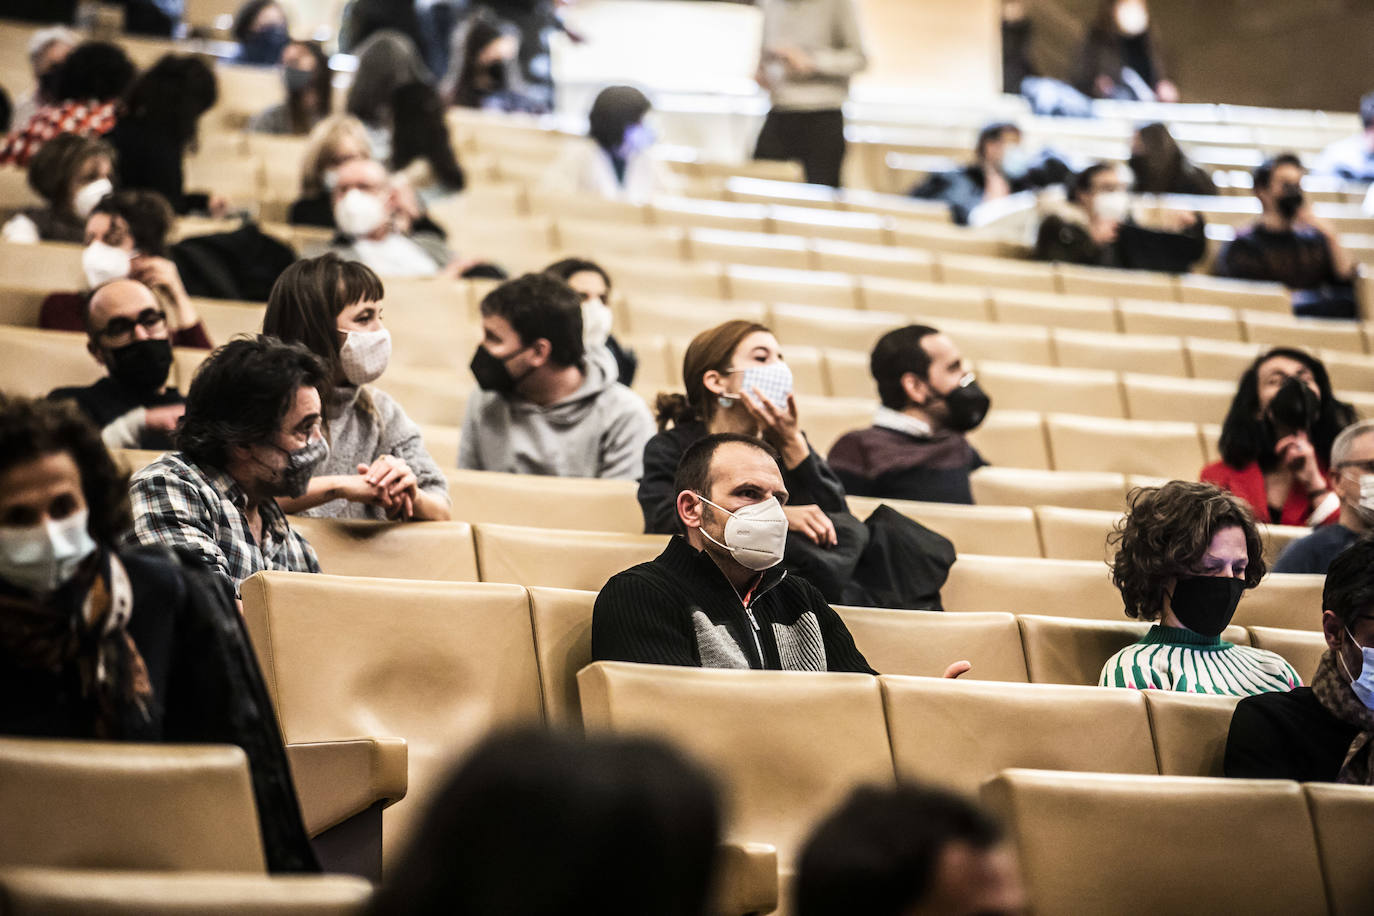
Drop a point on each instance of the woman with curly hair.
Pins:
(1186, 552)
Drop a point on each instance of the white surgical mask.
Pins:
(1364, 505)
(364, 355)
(755, 535)
(1113, 206)
(42, 558)
(88, 195)
(359, 213)
(1363, 686)
(1016, 162)
(774, 380)
(102, 263)
(596, 323)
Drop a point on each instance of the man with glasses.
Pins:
(1352, 479)
(126, 329)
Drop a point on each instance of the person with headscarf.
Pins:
(1160, 167)
(386, 61)
(616, 161)
(484, 68)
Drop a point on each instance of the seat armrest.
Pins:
(337, 779)
(746, 879)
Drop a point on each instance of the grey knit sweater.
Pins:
(828, 31)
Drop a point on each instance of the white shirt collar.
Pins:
(887, 418)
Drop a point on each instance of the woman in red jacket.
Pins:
(1276, 440)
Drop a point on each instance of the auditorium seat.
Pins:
(872, 260)
(826, 419)
(1019, 585)
(1107, 281)
(1012, 343)
(1303, 649)
(1152, 316)
(841, 328)
(1211, 843)
(1153, 353)
(928, 303)
(1159, 397)
(1064, 650)
(1276, 537)
(562, 621)
(224, 319)
(396, 550)
(1013, 439)
(1084, 313)
(685, 319)
(1289, 600)
(1238, 294)
(847, 375)
(926, 642)
(1349, 370)
(1341, 815)
(131, 460)
(1014, 486)
(20, 304)
(812, 222)
(758, 249)
(800, 287)
(587, 504)
(639, 275)
(555, 558)
(58, 263)
(1220, 359)
(1156, 448)
(1308, 333)
(689, 212)
(1000, 530)
(1016, 386)
(1189, 731)
(35, 362)
(441, 441)
(959, 733)
(1075, 534)
(579, 236)
(430, 396)
(997, 273)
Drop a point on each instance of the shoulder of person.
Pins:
(1269, 660)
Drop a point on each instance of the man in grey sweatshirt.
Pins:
(544, 405)
(810, 50)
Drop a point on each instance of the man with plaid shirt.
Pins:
(251, 433)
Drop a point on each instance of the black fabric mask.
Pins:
(967, 405)
(265, 45)
(1290, 201)
(49, 81)
(491, 371)
(1295, 407)
(1206, 604)
(141, 366)
(495, 73)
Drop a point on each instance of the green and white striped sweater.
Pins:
(1171, 658)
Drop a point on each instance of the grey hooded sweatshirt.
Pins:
(600, 430)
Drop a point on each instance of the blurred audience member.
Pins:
(916, 447)
(1289, 245)
(535, 823)
(309, 93)
(334, 141)
(133, 405)
(48, 48)
(377, 466)
(1351, 159)
(1352, 479)
(541, 406)
(1276, 440)
(1017, 31)
(158, 127)
(102, 641)
(72, 173)
(810, 51)
(1097, 226)
(251, 433)
(386, 61)
(908, 851)
(1002, 166)
(261, 31)
(535, 21)
(1121, 58)
(618, 161)
(158, 18)
(591, 282)
(1322, 733)
(1186, 553)
(362, 19)
(1160, 166)
(421, 149)
(484, 67)
(88, 86)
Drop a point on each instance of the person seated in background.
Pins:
(916, 447)
(1322, 733)
(336, 140)
(72, 173)
(909, 850)
(541, 406)
(998, 170)
(1186, 553)
(537, 823)
(387, 60)
(133, 405)
(421, 149)
(1352, 158)
(47, 48)
(484, 67)
(1160, 167)
(103, 641)
(126, 236)
(377, 466)
(593, 285)
(309, 92)
(251, 433)
(1120, 57)
(1097, 226)
(1352, 480)
(1288, 244)
(88, 87)
(261, 31)
(617, 160)
(1276, 440)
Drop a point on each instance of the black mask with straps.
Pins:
(966, 404)
(141, 366)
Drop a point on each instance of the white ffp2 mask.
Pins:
(90, 194)
(358, 213)
(42, 558)
(102, 263)
(755, 535)
(364, 355)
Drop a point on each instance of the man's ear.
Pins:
(689, 507)
(93, 348)
(915, 388)
(1333, 630)
(540, 351)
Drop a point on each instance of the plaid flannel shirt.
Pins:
(178, 503)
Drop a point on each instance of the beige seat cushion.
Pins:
(926, 642)
(1291, 601)
(1341, 816)
(396, 550)
(1075, 534)
(1021, 585)
(999, 486)
(562, 621)
(555, 558)
(1155, 448)
(1001, 530)
(1190, 731)
(585, 504)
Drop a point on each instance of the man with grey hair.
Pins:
(1352, 479)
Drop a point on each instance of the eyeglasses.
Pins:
(123, 328)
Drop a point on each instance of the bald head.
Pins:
(123, 298)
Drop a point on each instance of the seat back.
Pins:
(960, 733)
(1289, 600)
(1076, 534)
(394, 550)
(1064, 650)
(1212, 846)
(562, 620)
(1158, 354)
(37, 361)
(1021, 585)
(1000, 486)
(554, 558)
(107, 804)
(1013, 438)
(926, 642)
(1341, 816)
(1092, 392)
(1002, 530)
(1303, 649)
(1162, 397)
(586, 504)
(1157, 449)
(1190, 731)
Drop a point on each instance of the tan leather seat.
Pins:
(926, 642)
(759, 249)
(1064, 650)
(848, 376)
(396, 550)
(58, 263)
(1189, 731)
(131, 460)
(928, 303)
(1160, 397)
(800, 287)
(441, 442)
(1238, 294)
(825, 223)
(562, 620)
(839, 326)
(1341, 816)
(691, 279)
(1155, 316)
(1014, 438)
(1014, 486)
(1154, 353)
(1084, 313)
(438, 664)
(1001, 530)
(960, 733)
(1013, 343)
(1303, 649)
(1349, 370)
(1287, 331)
(430, 396)
(1155, 448)
(1091, 392)
(79, 892)
(826, 419)
(679, 318)
(1276, 537)
(873, 260)
(997, 273)
(1022, 585)
(1109, 281)
(37, 361)
(575, 234)
(1289, 600)
(555, 558)
(1215, 845)
(102, 804)
(1075, 534)
(586, 504)
(223, 319)
(1220, 359)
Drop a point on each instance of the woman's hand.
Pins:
(960, 667)
(1300, 458)
(780, 428)
(811, 523)
(394, 478)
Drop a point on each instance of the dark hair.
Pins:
(1081, 183)
(1349, 588)
(386, 60)
(1367, 110)
(897, 353)
(94, 70)
(535, 823)
(243, 19)
(614, 111)
(565, 269)
(55, 164)
(1243, 432)
(307, 298)
(879, 852)
(694, 467)
(421, 132)
(1165, 534)
(1160, 168)
(322, 85)
(32, 428)
(991, 134)
(171, 96)
(708, 350)
(241, 394)
(539, 306)
(6, 110)
(480, 29)
(1264, 172)
(148, 214)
